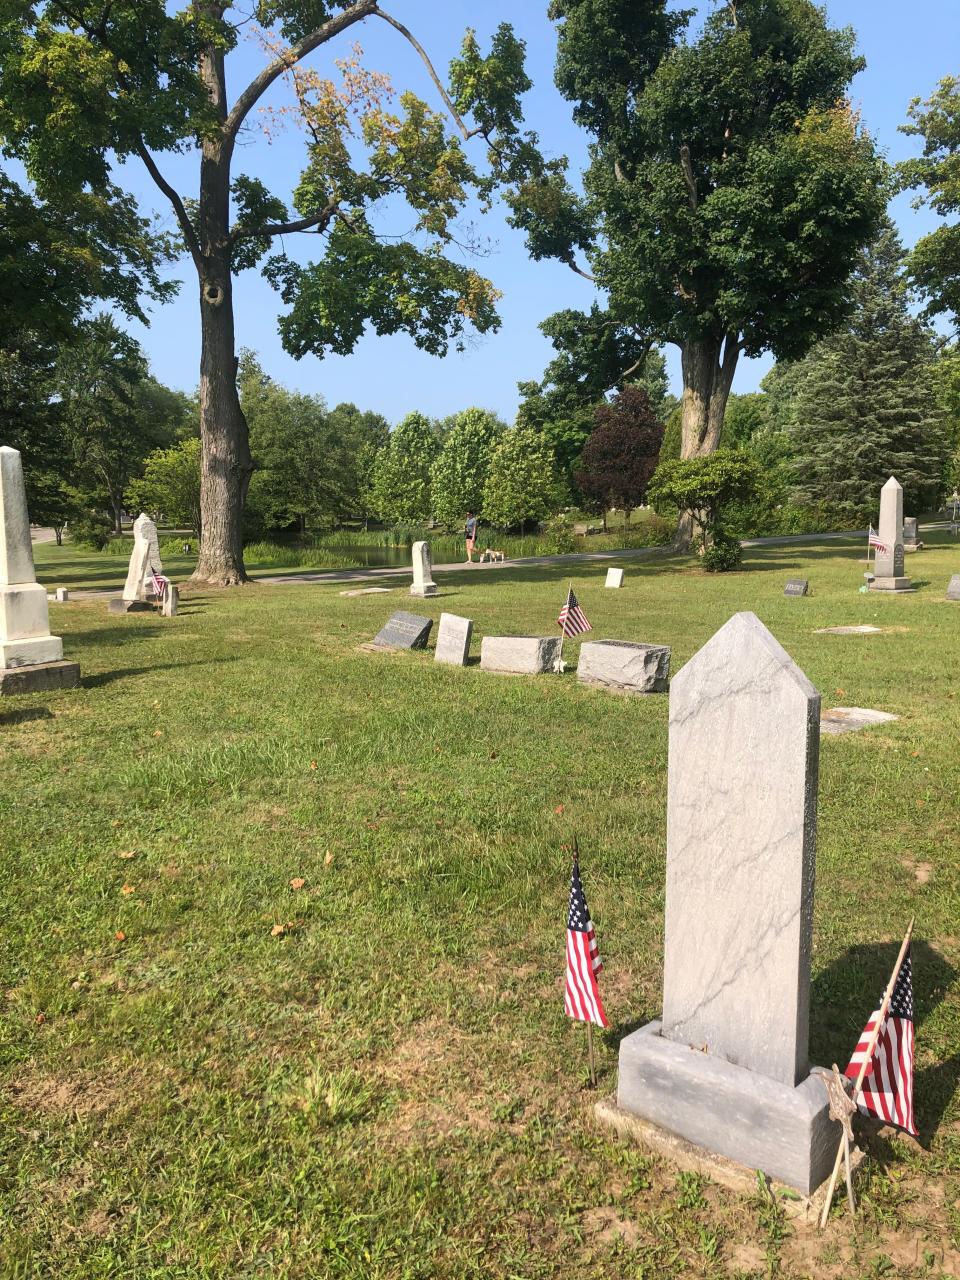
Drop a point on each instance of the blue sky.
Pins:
(908, 49)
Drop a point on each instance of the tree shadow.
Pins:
(113, 635)
(21, 714)
(845, 994)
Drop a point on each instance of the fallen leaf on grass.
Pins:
(297, 882)
(279, 930)
(158, 733)
(559, 808)
(328, 858)
(40, 1019)
(116, 823)
(128, 889)
(313, 764)
(126, 853)
(120, 936)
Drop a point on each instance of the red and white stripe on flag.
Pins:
(582, 995)
(887, 1089)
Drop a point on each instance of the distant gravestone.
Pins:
(61, 595)
(727, 1067)
(520, 655)
(850, 719)
(911, 534)
(623, 666)
(453, 640)
(796, 587)
(144, 562)
(404, 631)
(614, 578)
(170, 605)
(953, 589)
(31, 659)
(423, 583)
(888, 563)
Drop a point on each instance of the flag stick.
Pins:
(864, 1065)
(593, 1065)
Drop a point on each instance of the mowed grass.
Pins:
(206, 1071)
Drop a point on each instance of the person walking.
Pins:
(470, 533)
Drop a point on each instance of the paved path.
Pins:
(41, 535)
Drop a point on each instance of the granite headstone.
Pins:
(796, 587)
(727, 1067)
(520, 655)
(614, 578)
(404, 631)
(624, 666)
(453, 639)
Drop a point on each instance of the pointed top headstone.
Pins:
(16, 551)
(888, 561)
(741, 824)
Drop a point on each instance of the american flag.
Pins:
(572, 620)
(873, 540)
(159, 582)
(581, 998)
(887, 1089)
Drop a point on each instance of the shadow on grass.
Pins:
(115, 635)
(21, 714)
(122, 673)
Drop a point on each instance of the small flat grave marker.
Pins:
(850, 719)
(404, 631)
(614, 578)
(453, 639)
(796, 587)
(367, 591)
(863, 630)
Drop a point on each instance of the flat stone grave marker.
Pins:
(614, 578)
(850, 719)
(404, 631)
(727, 1066)
(953, 589)
(864, 629)
(623, 666)
(520, 655)
(453, 639)
(367, 591)
(796, 587)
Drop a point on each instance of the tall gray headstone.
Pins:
(423, 583)
(25, 639)
(727, 1068)
(888, 564)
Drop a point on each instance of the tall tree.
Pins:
(400, 485)
(867, 402)
(460, 471)
(621, 454)
(112, 415)
(935, 259)
(730, 185)
(522, 483)
(86, 86)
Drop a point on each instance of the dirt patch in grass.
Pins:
(79, 1093)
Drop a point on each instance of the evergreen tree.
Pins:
(522, 482)
(400, 485)
(866, 402)
(460, 470)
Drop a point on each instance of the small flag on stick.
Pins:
(873, 540)
(582, 995)
(887, 1088)
(573, 621)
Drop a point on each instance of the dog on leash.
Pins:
(492, 556)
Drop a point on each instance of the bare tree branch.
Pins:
(579, 270)
(261, 83)
(321, 220)
(186, 226)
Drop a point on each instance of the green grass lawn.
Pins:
(208, 1071)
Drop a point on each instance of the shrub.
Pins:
(91, 529)
(724, 553)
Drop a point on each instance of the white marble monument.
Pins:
(727, 1066)
(144, 562)
(614, 578)
(423, 583)
(31, 659)
(888, 564)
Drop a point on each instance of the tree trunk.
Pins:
(117, 508)
(226, 463)
(708, 367)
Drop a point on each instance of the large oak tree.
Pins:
(730, 187)
(86, 84)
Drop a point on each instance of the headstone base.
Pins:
(129, 606)
(520, 655)
(758, 1122)
(428, 589)
(892, 584)
(40, 678)
(623, 666)
(30, 651)
(913, 546)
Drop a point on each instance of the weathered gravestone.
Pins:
(911, 535)
(888, 564)
(850, 719)
(31, 659)
(623, 666)
(953, 588)
(144, 562)
(727, 1068)
(170, 605)
(520, 655)
(614, 578)
(404, 631)
(796, 587)
(423, 583)
(453, 639)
